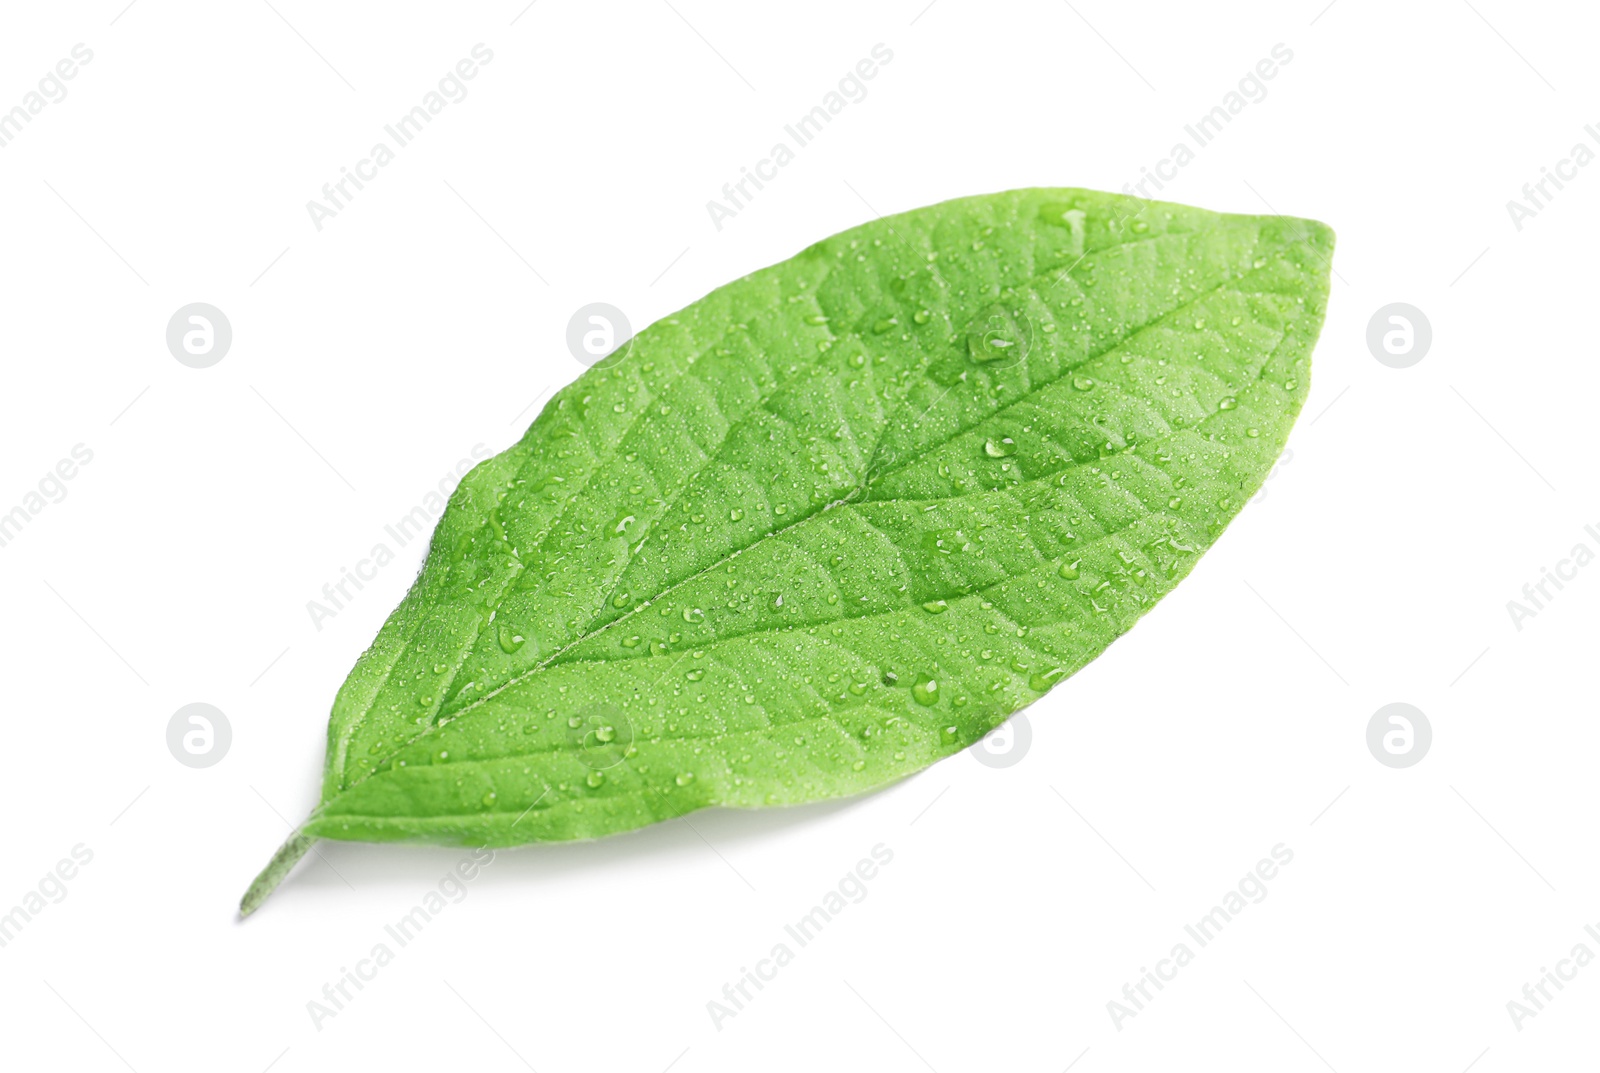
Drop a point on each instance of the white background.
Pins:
(428, 315)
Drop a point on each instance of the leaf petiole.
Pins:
(277, 869)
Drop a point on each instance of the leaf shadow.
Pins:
(705, 835)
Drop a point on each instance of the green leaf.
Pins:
(832, 522)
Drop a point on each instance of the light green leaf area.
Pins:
(832, 522)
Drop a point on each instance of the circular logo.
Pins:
(199, 335)
(1399, 735)
(601, 736)
(198, 735)
(1399, 335)
(1283, 460)
(1006, 744)
(599, 334)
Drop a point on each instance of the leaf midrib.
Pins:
(798, 627)
(852, 496)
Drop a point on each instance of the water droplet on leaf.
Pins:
(1001, 448)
